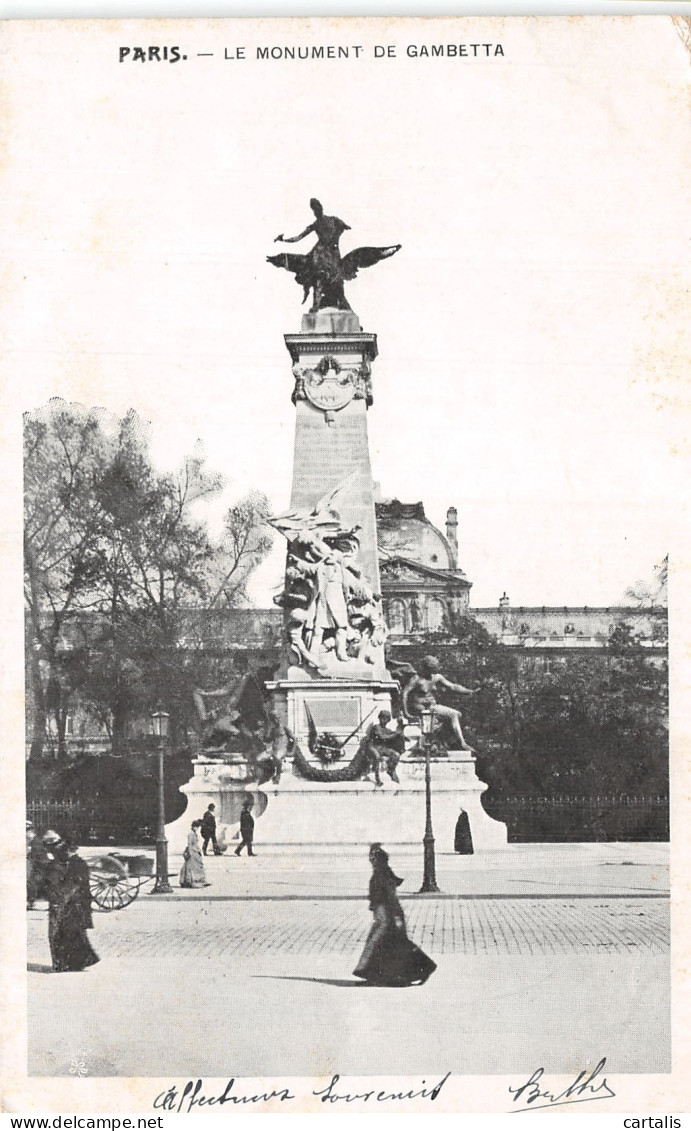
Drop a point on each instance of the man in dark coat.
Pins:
(246, 828)
(208, 830)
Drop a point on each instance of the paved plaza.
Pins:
(566, 945)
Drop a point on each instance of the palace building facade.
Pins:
(425, 591)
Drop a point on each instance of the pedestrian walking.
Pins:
(69, 906)
(208, 830)
(389, 957)
(463, 838)
(246, 828)
(36, 864)
(192, 873)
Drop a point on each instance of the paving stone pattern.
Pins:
(212, 929)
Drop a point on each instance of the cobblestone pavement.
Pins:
(545, 956)
(518, 927)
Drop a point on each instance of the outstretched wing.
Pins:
(324, 506)
(365, 257)
(325, 512)
(323, 518)
(290, 525)
(298, 265)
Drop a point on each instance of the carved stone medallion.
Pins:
(330, 386)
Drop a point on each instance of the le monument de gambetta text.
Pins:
(162, 53)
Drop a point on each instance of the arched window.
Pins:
(436, 614)
(396, 616)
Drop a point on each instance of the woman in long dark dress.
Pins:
(463, 839)
(36, 860)
(389, 957)
(69, 910)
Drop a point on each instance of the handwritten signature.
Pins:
(584, 1089)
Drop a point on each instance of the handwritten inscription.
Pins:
(192, 1096)
(181, 1101)
(586, 1087)
(331, 1095)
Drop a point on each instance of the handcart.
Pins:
(115, 879)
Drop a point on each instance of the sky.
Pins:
(532, 329)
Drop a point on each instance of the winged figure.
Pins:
(323, 270)
(323, 520)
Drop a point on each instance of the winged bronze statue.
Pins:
(323, 270)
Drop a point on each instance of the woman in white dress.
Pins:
(192, 874)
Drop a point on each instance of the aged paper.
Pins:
(533, 342)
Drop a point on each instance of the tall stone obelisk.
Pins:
(342, 688)
(333, 391)
(333, 676)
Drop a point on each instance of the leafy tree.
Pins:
(591, 725)
(121, 570)
(173, 575)
(63, 456)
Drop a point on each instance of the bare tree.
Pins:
(244, 543)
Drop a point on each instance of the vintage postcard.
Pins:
(345, 467)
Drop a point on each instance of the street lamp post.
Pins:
(159, 727)
(429, 879)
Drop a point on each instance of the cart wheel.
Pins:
(112, 892)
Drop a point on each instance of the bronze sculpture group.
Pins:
(265, 742)
(330, 608)
(241, 722)
(420, 694)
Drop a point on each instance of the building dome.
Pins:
(404, 531)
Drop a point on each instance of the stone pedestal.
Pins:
(345, 707)
(227, 784)
(331, 321)
(298, 813)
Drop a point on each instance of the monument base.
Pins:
(296, 812)
(343, 707)
(331, 320)
(224, 781)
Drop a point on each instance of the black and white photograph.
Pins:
(345, 461)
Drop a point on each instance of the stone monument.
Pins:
(333, 683)
(334, 626)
